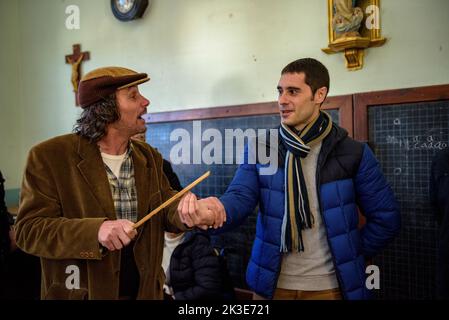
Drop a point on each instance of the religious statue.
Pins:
(75, 71)
(347, 18)
(347, 33)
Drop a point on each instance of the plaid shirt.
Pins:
(123, 189)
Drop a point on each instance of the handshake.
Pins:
(204, 213)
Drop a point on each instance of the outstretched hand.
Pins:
(204, 213)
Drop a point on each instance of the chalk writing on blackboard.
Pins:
(417, 142)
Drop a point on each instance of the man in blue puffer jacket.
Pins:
(308, 243)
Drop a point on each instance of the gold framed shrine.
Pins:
(353, 26)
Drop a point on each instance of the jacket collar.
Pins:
(192, 234)
(336, 135)
(142, 176)
(91, 167)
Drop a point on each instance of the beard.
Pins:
(128, 129)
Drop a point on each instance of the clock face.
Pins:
(124, 6)
(126, 10)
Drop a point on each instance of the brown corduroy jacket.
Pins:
(65, 197)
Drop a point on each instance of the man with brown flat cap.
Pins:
(82, 192)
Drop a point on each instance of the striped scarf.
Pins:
(297, 214)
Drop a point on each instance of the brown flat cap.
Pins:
(100, 83)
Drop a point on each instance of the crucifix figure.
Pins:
(75, 60)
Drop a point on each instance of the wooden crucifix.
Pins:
(75, 60)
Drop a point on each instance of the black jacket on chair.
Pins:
(195, 271)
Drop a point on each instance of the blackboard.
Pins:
(238, 242)
(405, 138)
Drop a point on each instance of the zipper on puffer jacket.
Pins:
(319, 167)
(337, 273)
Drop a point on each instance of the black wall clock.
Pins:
(126, 10)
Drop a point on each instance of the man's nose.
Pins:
(145, 102)
(282, 99)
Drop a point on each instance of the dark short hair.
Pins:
(316, 74)
(94, 119)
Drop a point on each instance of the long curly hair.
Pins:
(95, 118)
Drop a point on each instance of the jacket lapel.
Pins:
(142, 175)
(92, 169)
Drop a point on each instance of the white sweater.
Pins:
(169, 246)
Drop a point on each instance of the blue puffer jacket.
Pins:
(349, 176)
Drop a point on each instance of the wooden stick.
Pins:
(172, 199)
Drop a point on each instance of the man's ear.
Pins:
(320, 95)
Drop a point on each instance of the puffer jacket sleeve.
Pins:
(377, 202)
(242, 195)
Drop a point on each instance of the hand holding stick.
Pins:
(171, 200)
